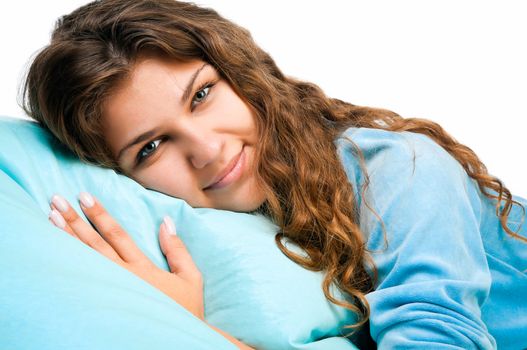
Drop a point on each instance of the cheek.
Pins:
(236, 113)
(168, 177)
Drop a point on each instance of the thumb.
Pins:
(179, 260)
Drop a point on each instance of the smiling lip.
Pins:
(230, 174)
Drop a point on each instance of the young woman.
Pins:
(184, 102)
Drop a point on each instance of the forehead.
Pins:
(153, 90)
(149, 78)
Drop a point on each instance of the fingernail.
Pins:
(169, 226)
(60, 203)
(86, 199)
(57, 219)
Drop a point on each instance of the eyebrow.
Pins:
(190, 84)
(150, 133)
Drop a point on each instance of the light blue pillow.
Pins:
(57, 293)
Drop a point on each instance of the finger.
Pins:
(56, 219)
(178, 258)
(112, 232)
(83, 230)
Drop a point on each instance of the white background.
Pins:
(460, 63)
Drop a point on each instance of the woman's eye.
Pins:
(201, 95)
(147, 150)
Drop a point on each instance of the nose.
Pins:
(203, 147)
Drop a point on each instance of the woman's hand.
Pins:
(183, 284)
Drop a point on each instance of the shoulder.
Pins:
(389, 155)
(405, 173)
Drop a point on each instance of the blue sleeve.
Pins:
(433, 274)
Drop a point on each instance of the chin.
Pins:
(248, 202)
(244, 206)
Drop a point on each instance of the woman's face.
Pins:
(178, 128)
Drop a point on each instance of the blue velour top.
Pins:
(449, 276)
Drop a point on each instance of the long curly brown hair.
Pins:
(308, 193)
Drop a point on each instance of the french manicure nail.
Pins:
(169, 225)
(57, 219)
(86, 199)
(60, 203)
